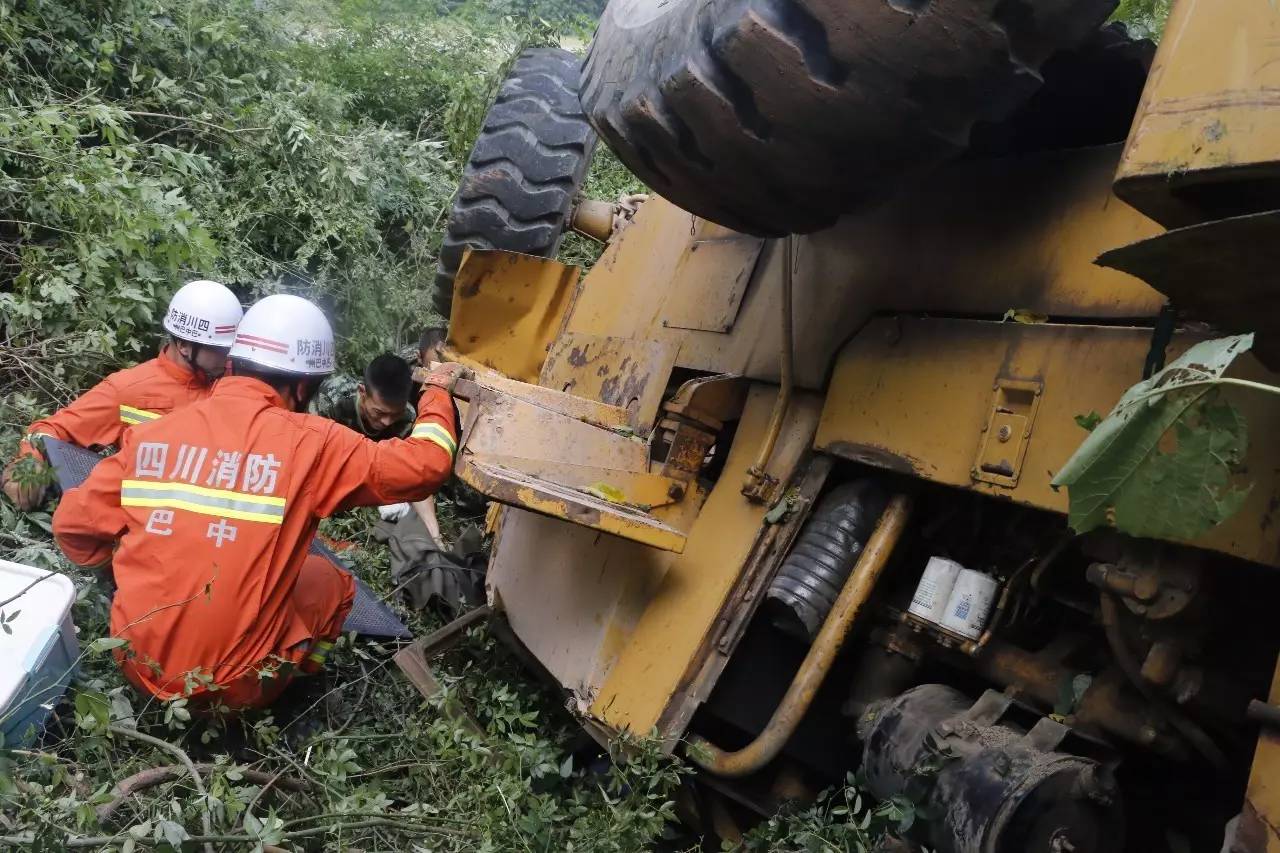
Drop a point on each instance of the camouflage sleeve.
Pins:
(329, 396)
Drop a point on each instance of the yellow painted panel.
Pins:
(507, 308)
(977, 238)
(1212, 102)
(913, 395)
(684, 604)
(1259, 832)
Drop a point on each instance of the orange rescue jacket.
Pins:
(214, 507)
(139, 394)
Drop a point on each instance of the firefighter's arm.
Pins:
(361, 472)
(93, 418)
(89, 520)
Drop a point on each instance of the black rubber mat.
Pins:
(368, 615)
(71, 464)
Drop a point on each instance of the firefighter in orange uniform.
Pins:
(201, 322)
(215, 505)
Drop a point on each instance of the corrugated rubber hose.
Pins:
(815, 571)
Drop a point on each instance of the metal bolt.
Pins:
(1096, 784)
(1004, 434)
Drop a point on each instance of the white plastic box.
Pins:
(38, 651)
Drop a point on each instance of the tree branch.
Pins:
(151, 777)
(186, 761)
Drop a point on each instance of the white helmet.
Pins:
(287, 334)
(204, 312)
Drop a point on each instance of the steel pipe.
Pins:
(756, 485)
(817, 663)
(593, 219)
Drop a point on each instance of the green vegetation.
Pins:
(1145, 18)
(310, 147)
(367, 762)
(1167, 462)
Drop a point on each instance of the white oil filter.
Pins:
(934, 590)
(970, 603)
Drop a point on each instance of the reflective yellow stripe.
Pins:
(216, 512)
(130, 415)
(437, 434)
(321, 651)
(219, 503)
(191, 489)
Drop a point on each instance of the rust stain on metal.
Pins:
(628, 373)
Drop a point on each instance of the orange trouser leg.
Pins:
(322, 598)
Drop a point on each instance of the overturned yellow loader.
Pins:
(747, 482)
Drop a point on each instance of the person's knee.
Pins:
(323, 596)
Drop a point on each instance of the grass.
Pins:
(359, 759)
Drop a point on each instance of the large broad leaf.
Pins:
(1161, 463)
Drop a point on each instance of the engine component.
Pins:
(885, 668)
(970, 603)
(1150, 583)
(934, 590)
(1108, 706)
(818, 660)
(815, 571)
(995, 788)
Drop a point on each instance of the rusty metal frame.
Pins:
(773, 541)
(414, 661)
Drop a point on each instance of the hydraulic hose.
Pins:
(817, 663)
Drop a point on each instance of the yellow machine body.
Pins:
(948, 336)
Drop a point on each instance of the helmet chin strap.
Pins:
(191, 362)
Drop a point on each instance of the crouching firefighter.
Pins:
(214, 507)
(201, 322)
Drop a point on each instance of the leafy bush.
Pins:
(142, 143)
(304, 147)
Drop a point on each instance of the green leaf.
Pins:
(1088, 422)
(106, 644)
(94, 706)
(1079, 686)
(1161, 464)
(783, 507)
(171, 832)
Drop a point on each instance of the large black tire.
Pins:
(527, 165)
(777, 116)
